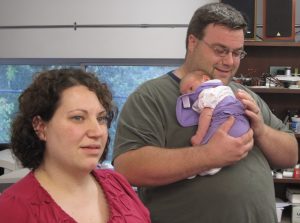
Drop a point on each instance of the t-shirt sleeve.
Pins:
(139, 124)
(207, 99)
(212, 96)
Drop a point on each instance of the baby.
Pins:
(208, 103)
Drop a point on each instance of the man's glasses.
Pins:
(222, 51)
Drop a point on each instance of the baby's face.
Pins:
(190, 85)
(195, 84)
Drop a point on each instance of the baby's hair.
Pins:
(190, 80)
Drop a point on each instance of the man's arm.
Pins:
(152, 166)
(280, 148)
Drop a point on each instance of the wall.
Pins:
(99, 42)
(95, 42)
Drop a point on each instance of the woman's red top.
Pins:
(27, 201)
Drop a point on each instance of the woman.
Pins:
(61, 133)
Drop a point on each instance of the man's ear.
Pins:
(192, 42)
(39, 127)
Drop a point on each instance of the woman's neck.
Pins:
(62, 179)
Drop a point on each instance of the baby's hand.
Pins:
(195, 140)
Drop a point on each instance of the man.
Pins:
(153, 151)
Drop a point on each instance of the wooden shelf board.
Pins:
(287, 180)
(276, 90)
(272, 43)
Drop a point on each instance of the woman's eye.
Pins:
(77, 118)
(102, 120)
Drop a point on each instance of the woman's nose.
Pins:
(95, 129)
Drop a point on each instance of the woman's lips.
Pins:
(91, 149)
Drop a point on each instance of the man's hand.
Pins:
(223, 149)
(253, 112)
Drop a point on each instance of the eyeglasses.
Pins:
(222, 51)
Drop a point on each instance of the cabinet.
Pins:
(260, 56)
(280, 100)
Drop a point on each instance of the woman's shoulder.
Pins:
(113, 181)
(22, 188)
(16, 199)
(124, 202)
(26, 191)
(109, 175)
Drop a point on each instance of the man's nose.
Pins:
(229, 59)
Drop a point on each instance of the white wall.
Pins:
(95, 42)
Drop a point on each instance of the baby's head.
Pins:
(192, 80)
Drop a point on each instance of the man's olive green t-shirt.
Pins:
(239, 193)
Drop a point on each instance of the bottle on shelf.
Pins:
(295, 125)
(296, 171)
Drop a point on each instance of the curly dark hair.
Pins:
(42, 98)
(215, 13)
